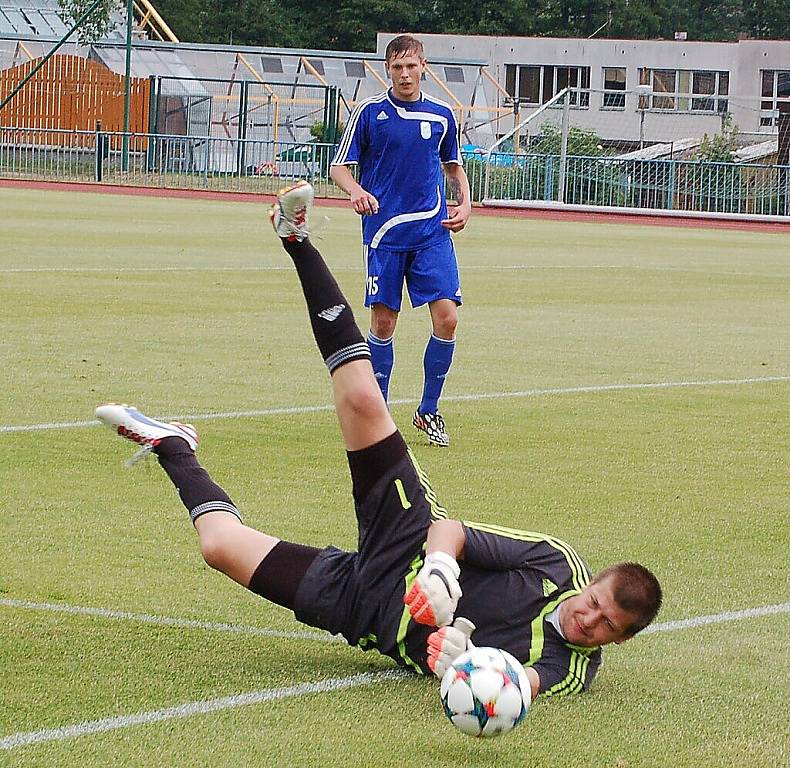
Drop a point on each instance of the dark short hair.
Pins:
(636, 590)
(403, 45)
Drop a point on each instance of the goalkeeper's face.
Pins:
(594, 618)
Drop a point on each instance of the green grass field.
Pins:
(188, 308)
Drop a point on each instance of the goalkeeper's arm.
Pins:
(435, 593)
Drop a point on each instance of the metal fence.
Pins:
(165, 161)
(253, 165)
(674, 185)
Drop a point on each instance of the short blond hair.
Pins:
(403, 45)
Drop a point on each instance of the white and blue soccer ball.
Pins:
(485, 692)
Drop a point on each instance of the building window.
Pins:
(685, 90)
(355, 69)
(775, 90)
(613, 88)
(454, 74)
(538, 83)
(271, 64)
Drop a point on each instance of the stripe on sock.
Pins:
(358, 351)
(379, 342)
(213, 506)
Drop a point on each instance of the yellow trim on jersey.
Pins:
(405, 618)
(536, 629)
(438, 512)
(404, 500)
(577, 674)
(579, 573)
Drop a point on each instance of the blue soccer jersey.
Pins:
(399, 147)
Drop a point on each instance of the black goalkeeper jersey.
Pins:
(511, 581)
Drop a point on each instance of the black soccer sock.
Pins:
(198, 492)
(337, 335)
(279, 574)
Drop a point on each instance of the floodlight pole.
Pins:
(127, 85)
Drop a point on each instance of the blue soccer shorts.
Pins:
(430, 274)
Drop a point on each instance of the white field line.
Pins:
(149, 618)
(717, 618)
(245, 629)
(286, 268)
(592, 389)
(195, 708)
(357, 268)
(257, 697)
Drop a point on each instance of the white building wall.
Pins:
(743, 61)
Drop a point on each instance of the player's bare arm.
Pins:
(457, 214)
(446, 536)
(362, 201)
(434, 596)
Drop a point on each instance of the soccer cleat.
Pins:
(433, 426)
(291, 213)
(128, 422)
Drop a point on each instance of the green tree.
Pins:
(98, 25)
(581, 142)
(721, 147)
(187, 18)
(767, 19)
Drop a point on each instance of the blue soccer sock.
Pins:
(436, 363)
(382, 354)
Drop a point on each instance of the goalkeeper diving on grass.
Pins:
(416, 572)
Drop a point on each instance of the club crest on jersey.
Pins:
(425, 129)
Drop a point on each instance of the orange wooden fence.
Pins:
(71, 92)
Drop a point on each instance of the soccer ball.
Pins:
(485, 692)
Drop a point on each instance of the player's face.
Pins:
(405, 72)
(593, 617)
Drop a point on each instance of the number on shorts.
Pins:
(373, 285)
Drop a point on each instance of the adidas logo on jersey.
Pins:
(331, 313)
(382, 115)
(548, 587)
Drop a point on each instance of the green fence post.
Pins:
(127, 85)
(152, 104)
(242, 132)
(99, 164)
(671, 186)
(548, 188)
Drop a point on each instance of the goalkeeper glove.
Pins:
(447, 644)
(435, 593)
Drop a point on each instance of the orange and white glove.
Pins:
(434, 595)
(447, 644)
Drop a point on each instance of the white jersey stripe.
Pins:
(348, 134)
(404, 217)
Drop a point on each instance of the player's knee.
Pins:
(383, 324)
(363, 398)
(445, 323)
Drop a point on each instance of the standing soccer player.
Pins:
(404, 142)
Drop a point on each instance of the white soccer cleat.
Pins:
(433, 426)
(128, 422)
(290, 215)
